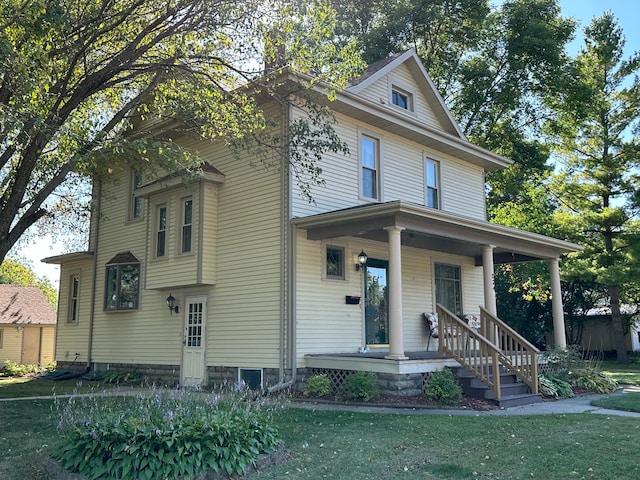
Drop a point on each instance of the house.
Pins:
(234, 275)
(593, 330)
(27, 326)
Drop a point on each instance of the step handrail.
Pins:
(518, 355)
(479, 354)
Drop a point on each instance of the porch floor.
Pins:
(416, 362)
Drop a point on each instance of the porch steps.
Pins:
(513, 393)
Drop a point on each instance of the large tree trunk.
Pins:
(618, 329)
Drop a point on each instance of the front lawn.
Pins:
(346, 445)
(17, 387)
(629, 402)
(628, 374)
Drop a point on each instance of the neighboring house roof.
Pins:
(20, 305)
(606, 311)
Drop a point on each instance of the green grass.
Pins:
(629, 402)
(12, 387)
(628, 374)
(346, 445)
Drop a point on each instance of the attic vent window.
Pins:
(122, 283)
(402, 99)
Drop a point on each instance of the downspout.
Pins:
(95, 274)
(287, 277)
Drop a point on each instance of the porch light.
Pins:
(362, 261)
(171, 303)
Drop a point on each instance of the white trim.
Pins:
(426, 160)
(378, 139)
(249, 369)
(401, 87)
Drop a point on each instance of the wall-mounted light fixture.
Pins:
(171, 303)
(362, 261)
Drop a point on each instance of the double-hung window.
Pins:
(122, 283)
(74, 294)
(136, 207)
(187, 224)
(432, 181)
(370, 167)
(161, 232)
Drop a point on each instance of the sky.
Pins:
(626, 11)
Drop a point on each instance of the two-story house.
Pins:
(265, 286)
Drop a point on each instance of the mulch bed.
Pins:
(405, 401)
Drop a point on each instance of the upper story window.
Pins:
(370, 167)
(187, 224)
(402, 98)
(334, 263)
(432, 182)
(136, 204)
(161, 231)
(74, 296)
(122, 283)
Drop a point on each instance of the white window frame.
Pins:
(377, 141)
(74, 299)
(436, 187)
(185, 225)
(1, 338)
(158, 230)
(136, 181)
(397, 85)
(247, 369)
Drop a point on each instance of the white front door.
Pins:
(193, 355)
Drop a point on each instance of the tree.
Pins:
(13, 272)
(595, 129)
(75, 75)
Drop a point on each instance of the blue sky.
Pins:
(626, 11)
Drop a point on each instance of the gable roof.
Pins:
(20, 305)
(383, 67)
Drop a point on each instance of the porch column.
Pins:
(559, 337)
(394, 282)
(487, 274)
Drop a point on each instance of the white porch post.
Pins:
(487, 274)
(559, 337)
(396, 343)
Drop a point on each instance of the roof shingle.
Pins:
(20, 305)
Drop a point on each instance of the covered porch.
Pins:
(400, 225)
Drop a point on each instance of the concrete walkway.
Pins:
(581, 404)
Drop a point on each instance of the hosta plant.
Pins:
(162, 434)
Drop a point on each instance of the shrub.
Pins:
(552, 386)
(13, 369)
(164, 434)
(318, 386)
(593, 380)
(442, 387)
(360, 386)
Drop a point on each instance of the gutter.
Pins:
(95, 276)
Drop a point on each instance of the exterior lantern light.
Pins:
(362, 261)
(171, 303)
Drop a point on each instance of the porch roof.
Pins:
(436, 230)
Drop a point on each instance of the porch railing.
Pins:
(480, 355)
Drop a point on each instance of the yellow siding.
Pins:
(402, 176)
(47, 347)
(175, 269)
(379, 92)
(472, 289)
(208, 234)
(72, 339)
(11, 344)
(244, 307)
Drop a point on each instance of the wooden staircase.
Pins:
(512, 392)
(494, 346)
